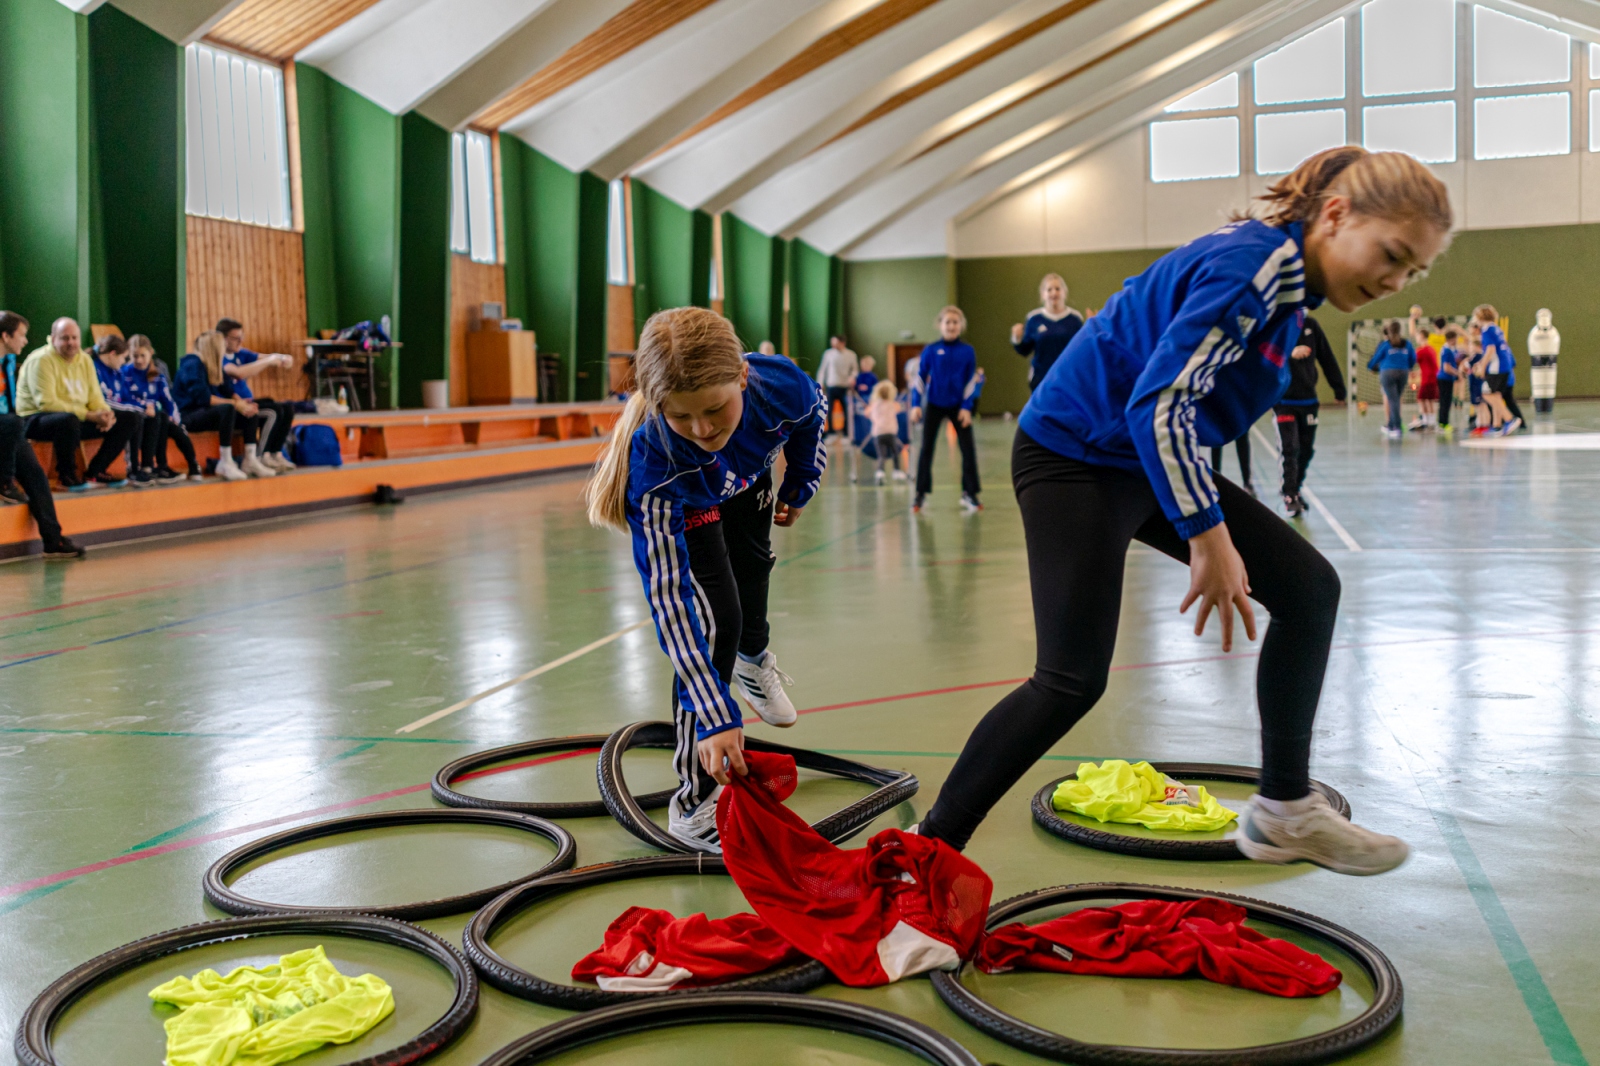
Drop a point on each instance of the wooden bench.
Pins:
(401, 434)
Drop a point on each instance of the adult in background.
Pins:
(837, 376)
(241, 364)
(58, 392)
(1048, 330)
(1297, 412)
(22, 479)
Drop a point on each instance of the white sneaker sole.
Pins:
(1278, 856)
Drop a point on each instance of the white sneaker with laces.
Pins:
(253, 466)
(698, 829)
(228, 470)
(1316, 834)
(277, 461)
(763, 689)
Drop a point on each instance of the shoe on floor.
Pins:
(254, 467)
(277, 461)
(167, 476)
(197, 475)
(763, 689)
(1294, 505)
(65, 548)
(698, 829)
(229, 471)
(1316, 834)
(877, 477)
(916, 504)
(1512, 426)
(110, 481)
(141, 479)
(900, 475)
(970, 504)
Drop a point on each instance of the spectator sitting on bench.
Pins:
(110, 353)
(242, 364)
(207, 401)
(147, 382)
(58, 392)
(21, 477)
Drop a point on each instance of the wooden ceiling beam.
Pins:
(278, 29)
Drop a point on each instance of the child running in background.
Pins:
(688, 472)
(1472, 370)
(1425, 382)
(147, 383)
(947, 374)
(1241, 448)
(1297, 412)
(883, 411)
(1449, 374)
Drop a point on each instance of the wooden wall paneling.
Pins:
(470, 284)
(256, 275)
(277, 29)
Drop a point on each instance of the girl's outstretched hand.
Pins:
(1217, 579)
(719, 748)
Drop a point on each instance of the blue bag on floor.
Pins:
(316, 446)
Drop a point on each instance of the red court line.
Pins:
(97, 599)
(34, 654)
(190, 842)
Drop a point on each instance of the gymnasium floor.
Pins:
(167, 701)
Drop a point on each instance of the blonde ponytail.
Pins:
(1390, 185)
(680, 350)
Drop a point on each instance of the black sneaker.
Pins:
(167, 476)
(65, 548)
(916, 504)
(108, 480)
(1294, 505)
(141, 479)
(10, 490)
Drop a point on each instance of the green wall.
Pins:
(137, 276)
(671, 254)
(887, 298)
(44, 185)
(817, 302)
(752, 272)
(555, 223)
(423, 312)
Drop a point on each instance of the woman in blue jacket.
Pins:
(1393, 361)
(1049, 329)
(688, 473)
(946, 387)
(1110, 449)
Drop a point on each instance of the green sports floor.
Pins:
(166, 701)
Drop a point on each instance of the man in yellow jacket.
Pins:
(59, 394)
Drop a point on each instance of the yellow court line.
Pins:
(520, 678)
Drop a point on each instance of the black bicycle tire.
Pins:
(507, 977)
(574, 809)
(1341, 1040)
(837, 1015)
(894, 786)
(219, 895)
(1215, 850)
(33, 1040)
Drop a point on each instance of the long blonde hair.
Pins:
(680, 350)
(1389, 185)
(210, 347)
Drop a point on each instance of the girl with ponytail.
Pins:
(1111, 449)
(688, 472)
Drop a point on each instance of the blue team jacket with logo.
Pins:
(671, 482)
(1185, 358)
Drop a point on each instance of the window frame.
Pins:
(287, 178)
(462, 180)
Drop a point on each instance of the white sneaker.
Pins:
(877, 477)
(1317, 834)
(278, 461)
(254, 467)
(229, 470)
(900, 475)
(697, 829)
(763, 689)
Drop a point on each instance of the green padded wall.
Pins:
(422, 319)
(671, 254)
(752, 270)
(816, 301)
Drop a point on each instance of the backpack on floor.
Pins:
(316, 446)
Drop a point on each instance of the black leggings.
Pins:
(151, 447)
(932, 416)
(17, 460)
(1447, 399)
(1078, 520)
(731, 560)
(1297, 442)
(225, 420)
(1241, 447)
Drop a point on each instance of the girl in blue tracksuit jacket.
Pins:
(946, 386)
(146, 383)
(1048, 329)
(1499, 372)
(1393, 359)
(1111, 448)
(688, 473)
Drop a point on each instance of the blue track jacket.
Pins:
(945, 376)
(1387, 357)
(116, 392)
(1498, 351)
(145, 389)
(1045, 338)
(671, 482)
(1185, 358)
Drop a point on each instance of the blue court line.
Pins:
(818, 547)
(58, 625)
(220, 612)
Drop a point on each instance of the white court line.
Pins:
(520, 678)
(1312, 498)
